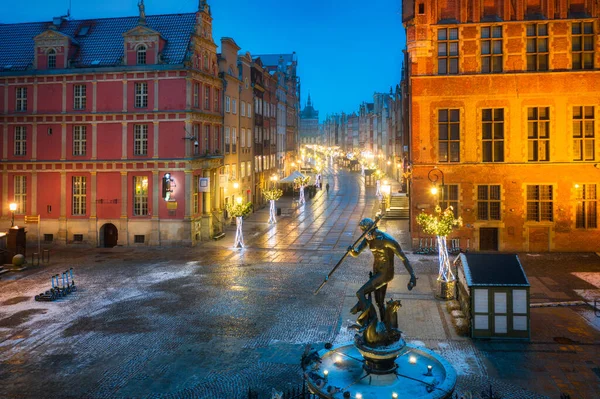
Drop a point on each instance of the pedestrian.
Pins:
(327, 188)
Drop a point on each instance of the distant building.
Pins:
(503, 99)
(309, 124)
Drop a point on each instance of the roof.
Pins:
(273, 59)
(493, 270)
(293, 176)
(102, 45)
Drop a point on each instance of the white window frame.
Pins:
(243, 108)
(140, 139)
(140, 197)
(227, 104)
(21, 99)
(51, 59)
(233, 140)
(141, 55)
(20, 141)
(234, 106)
(20, 193)
(141, 95)
(79, 140)
(242, 137)
(79, 192)
(79, 96)
(196, 94)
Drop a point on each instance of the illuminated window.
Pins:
(584, 137)
(243, 138)
(51, 59)
(448, 196)
(492, 134)
(234, 171)
(249, 168)
(449, 135)
(20, 140)
(233, 140)
(537, 47)
(582, 34)
(491, 49)
(488, 202)
(540, 203)
(79, 195)
(21, 99)
(79, 96)
(448, 51)
(140, 195)
(79, 140)
(140, 140)
(141, 55)
(20, 194)
(538, 134)
(227, 104)
(141, 95)
(586, 215)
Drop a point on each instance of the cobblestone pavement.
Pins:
(212, 321)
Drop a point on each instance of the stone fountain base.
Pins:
(358, 371)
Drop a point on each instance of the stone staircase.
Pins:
(399, 207)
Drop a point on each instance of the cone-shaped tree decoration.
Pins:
(301, 182)
(272, 196)
(441, 224)
(238, 211)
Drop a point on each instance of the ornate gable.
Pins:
(139, 38)
(53, 49)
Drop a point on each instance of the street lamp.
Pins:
(13, 208)
(434, 175)
(273, 179)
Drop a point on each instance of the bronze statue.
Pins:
(384, 247)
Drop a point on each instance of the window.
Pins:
(583, 134)
(48, 237)
(141, 95)
(205, 61)
(492, 128)
(249, 138)
(243, 108)
(448, 196)
(207, 98)
(79, 140)
(491, 49)
(539, 203)
(78, 237)
(139, 239)
(234, 106)
(249, 110)
(51, 59)
(20, 140)
(537, 47)
(141, 55)
(586, 216)
(227, 140)
(447, 51)
(79, 195)
(20, 193)
(21, 96)
(538, 133)
(233, 140)
(140, 140)
(582, 34)
(488, 202)
(79, 98)
(217, 98)
(227, 104)
(449, 135)
(140, 195)
(242, 170)
(234, 171)
(216, 137)
(195, 195)
(249, 168)
(243, 138)
(196, 95)
(206, 138)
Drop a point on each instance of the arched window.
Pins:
(51, 59)
(141, 55)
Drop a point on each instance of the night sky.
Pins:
(347, 49)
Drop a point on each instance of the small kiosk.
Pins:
(493, 292)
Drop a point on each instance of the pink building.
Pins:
(112, 128)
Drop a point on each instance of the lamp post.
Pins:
(434, 175)
(13, 208)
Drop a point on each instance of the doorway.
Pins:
(488, 239)
(109, 235)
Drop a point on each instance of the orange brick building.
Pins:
(504, 100)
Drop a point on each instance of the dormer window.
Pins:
(51, 59)
(141, 55)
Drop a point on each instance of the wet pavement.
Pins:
(214, 321)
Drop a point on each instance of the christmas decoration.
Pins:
(238, 210)
(300, 183)
(272, 196)
(441, 225)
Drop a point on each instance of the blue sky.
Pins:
(347, 49)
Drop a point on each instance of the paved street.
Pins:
(213, 321)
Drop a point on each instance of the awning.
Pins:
(293, 176)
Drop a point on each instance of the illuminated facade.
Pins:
(112, 128)
(504, 100)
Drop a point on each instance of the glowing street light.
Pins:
(13, 208)
(434, 175)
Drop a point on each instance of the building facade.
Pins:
(309, 125)
(111, 128)
(503, 113)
